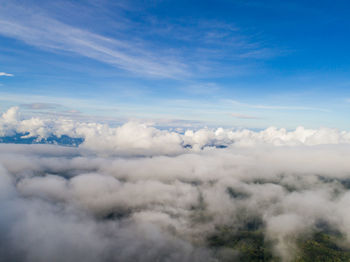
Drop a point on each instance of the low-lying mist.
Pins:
(65, 204)
(141, 194)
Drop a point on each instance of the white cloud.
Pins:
(134, 188)
(117, 208)
(135, 138)
(5, 74)
(138, 182)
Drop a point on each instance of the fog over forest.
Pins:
(137, 193)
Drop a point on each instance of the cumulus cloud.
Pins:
(135, 138)
(137, 193)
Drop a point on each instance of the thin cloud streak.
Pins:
(278, 107)
(5, 74)
(40, 106)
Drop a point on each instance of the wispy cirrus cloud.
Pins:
(40, 30)
(277, 107)
(154, 48)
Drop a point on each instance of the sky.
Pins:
(183, 123)
(250, 64)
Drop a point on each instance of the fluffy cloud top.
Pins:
(135, 138)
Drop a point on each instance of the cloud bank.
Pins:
(137, 193)
(135, 138)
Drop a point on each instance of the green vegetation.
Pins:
(236, 194)
(323, 248)
(251, 246)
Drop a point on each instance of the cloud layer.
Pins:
(135, 138)
(137, 193)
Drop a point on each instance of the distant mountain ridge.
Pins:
(22, 138)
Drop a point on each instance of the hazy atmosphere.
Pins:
(174, 131)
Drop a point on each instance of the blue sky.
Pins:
(219, 63)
